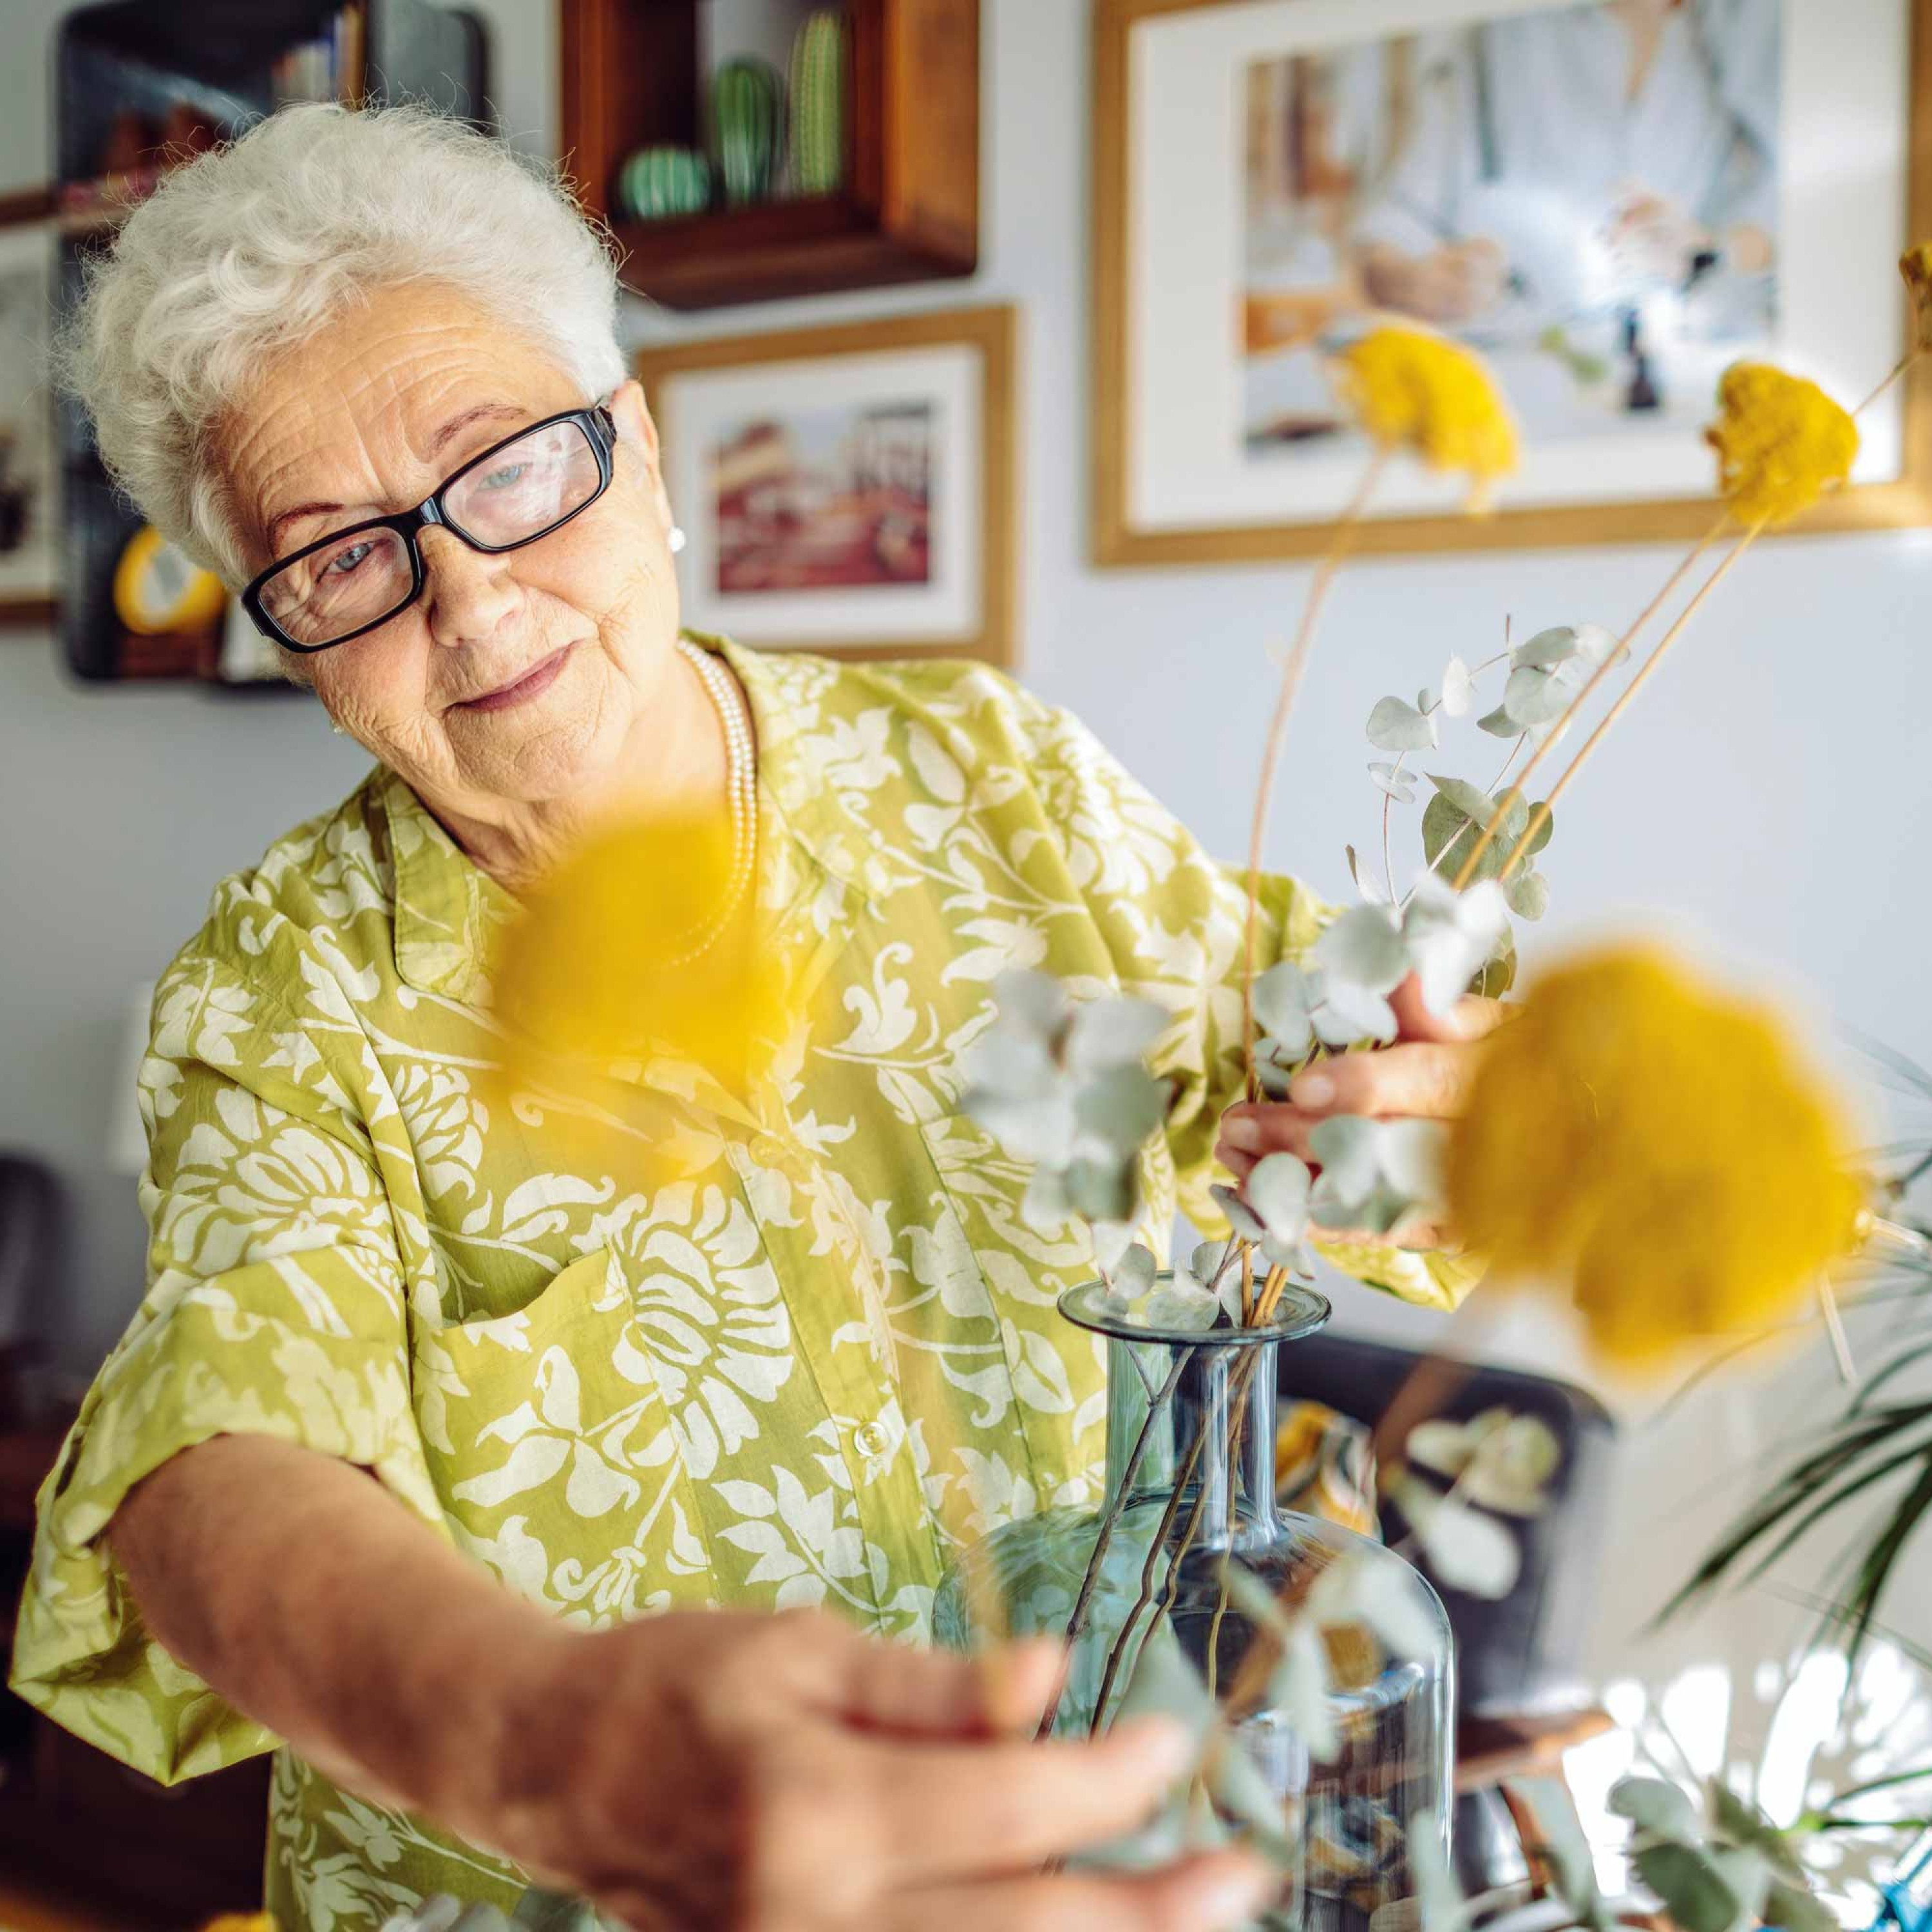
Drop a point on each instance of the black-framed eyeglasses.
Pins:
(518, 490)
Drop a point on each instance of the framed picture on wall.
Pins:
(849, 489)
(1612, 203)
(29, 493)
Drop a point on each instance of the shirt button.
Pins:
(870, 1441)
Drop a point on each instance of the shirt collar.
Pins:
(448, 909)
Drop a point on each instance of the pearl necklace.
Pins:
(741, 787)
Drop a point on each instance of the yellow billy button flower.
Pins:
(1656, 1147)
(1418, 392)
(618, 960)
(1781, 443)
(1916, 265)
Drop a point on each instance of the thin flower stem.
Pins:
(1273, 1288)
(1897, 369)
(1292, 669)
(1507, 803)
(1624, 697)
(1117, 1507)
(1834, 1327)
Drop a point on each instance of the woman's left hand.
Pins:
(1426, 1074)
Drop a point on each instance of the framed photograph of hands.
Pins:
(849, 489)
(1611, 201)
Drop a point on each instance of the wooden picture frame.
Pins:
(746, 406)
(27, 225)
(1124, 534)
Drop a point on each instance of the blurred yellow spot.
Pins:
(1658, 1148)
(617, 960)
(1781, 442)
(1416, 391)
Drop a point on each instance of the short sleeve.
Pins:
(276, 1307)
(1175, 922)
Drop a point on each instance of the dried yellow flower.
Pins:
(1658, 1146)
(1781, 442)
(1916, 265)
(1415, 391)
(241, 1921)
(608, 966)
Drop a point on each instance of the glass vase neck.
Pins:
(1200, 1410)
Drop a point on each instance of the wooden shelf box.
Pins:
(910, 208)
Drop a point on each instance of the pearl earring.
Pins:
(675, 538)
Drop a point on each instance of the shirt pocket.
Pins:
(546, 1433)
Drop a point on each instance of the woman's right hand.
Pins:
(783, 1773)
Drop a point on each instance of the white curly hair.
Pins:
(250, 250)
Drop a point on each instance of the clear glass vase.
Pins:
(1190, 1443)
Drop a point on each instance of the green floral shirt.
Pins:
(802, 1375)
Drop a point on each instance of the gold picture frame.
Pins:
(835, 358)
(1118, 541)
(29, 598)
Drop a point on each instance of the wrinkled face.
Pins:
(513, 679)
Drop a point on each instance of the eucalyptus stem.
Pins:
(1292, 669)
(1182, 1477)
(1116, 1506)
(1507, 802)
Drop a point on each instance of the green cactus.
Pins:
(656, 182)
(818, 104)
(747, 122)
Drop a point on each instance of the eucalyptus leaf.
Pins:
(1019, 1066)
(1459, 688)
(1363, 950)
(1033, 1002)
(1123, 1106)
(1690, 1886)
(1253, 1598)
(1044, 1207)
(1533, 697)
(1546, 825)
(1440, 1905)
(1274, 1070)
(1446, 829)
(1791, 1907)
(1038, 1128)
(1528, 893)
(1208, 1261)
(1392, 779)
(1654, 1805)
(1284, 997)
(1744, 1824)
(1166, 1684)
(1107, 1033)
(1466, 1550)
(1473, 802)
(1104, 1190)
(1241, 1217)
(540, 1911)
(1277, 1191)
(1133, 1274)
(1180, 1305)
(1345, 1145)
(1348, 1014)
(1395, 726)
(1547, 648)
(1411, 1154)
(1111, 1241)
(1498, 723)
(1370, 887)
(1240, 1788)
(1298, 1688)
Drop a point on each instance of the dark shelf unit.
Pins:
(910, 208)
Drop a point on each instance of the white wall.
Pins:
(1770, 797)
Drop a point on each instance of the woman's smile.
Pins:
(532, 683)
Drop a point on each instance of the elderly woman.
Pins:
(471, 1484)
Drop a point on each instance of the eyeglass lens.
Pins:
(359, 578)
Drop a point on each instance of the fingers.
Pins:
(1008, 1807)
(1424, 1081)
(1203, 1893)
(894, 1687)
(1469, 1019)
